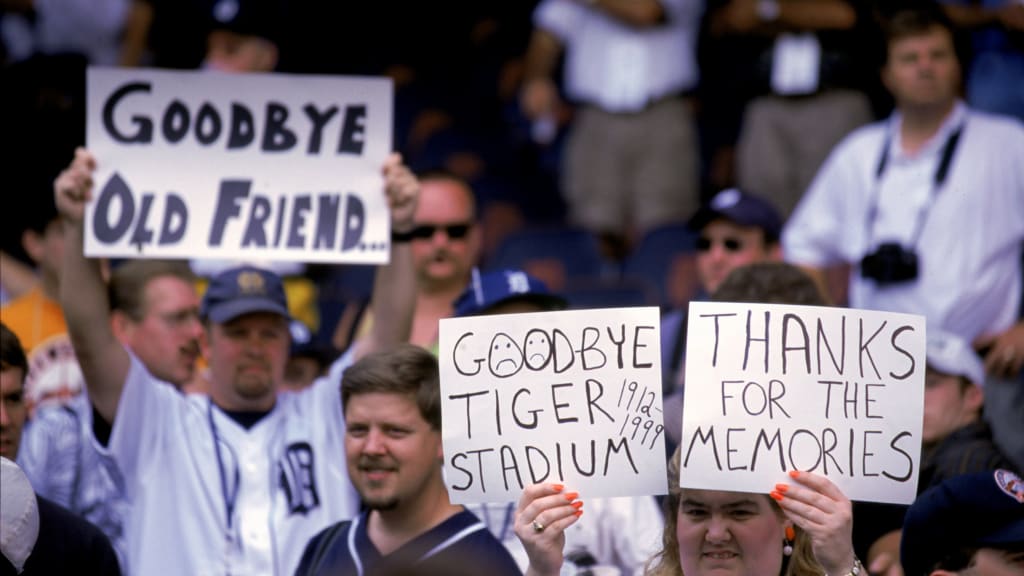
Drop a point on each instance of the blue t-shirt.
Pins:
(461, 545)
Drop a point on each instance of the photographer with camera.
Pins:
(927, 207)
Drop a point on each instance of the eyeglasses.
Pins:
(453, 231)
(730, 244)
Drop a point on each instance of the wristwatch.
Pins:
(768, 10)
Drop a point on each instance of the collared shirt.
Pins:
(972, 226)
(54, 377)
(622, 68)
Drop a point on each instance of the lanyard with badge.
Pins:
(230, 495)
(891, 262)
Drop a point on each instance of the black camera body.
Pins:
(890, 263)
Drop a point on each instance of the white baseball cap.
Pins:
(19, 515)
(951, 354)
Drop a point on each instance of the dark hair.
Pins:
(39, 220)
(261, 18)
(913, 19)
(959, 558)
(769, 283)
(407, 369)
(12, 355)
(440, 174)
(963, 384)
(954, 559)
(40, 210)
(128, 282)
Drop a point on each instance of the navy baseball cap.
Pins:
(243, 290)
(740, 207)
(981, 510)
(485, 291)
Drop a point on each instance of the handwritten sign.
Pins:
(238, 166)
(773, 388)
(571, 397)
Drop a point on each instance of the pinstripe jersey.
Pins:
(210, 496)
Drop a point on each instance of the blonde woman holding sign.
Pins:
(800, 528)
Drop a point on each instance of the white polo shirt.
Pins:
(972, 227)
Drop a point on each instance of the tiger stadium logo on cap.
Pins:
(251, 283)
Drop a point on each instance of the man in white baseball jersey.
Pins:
(236, 481)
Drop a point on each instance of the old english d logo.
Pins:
(297, 478)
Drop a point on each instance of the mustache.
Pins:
(375, 463)
(254, 364)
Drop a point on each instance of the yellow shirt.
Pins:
(53, 373)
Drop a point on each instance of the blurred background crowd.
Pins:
(469, 100)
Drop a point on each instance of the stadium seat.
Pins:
(557, 256)
(666, 257)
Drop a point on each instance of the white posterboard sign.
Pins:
(238, 166)
(774, 388)
(572, 397)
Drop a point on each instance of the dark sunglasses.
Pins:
(453, 231)
(730, 244)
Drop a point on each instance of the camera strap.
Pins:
(938, 179)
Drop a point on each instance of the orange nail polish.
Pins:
(557, 487)
(781, 488)
(570, 496)
(578, 513)
(577, 504)
(775, 496)
(794, 473)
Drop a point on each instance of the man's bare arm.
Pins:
(83, 293)
(17, 277)
(639, 13)
(742, 17)
(1003, 352)
(394, 288)
(539, 94)
(884, 555)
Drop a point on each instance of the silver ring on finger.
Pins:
(537, 527)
